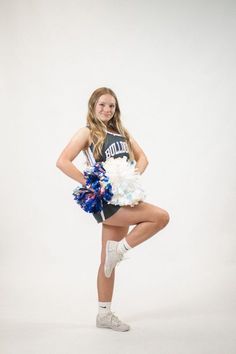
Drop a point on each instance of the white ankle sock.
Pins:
(123, 246)
(104, 307)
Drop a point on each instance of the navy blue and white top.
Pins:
(115, 145)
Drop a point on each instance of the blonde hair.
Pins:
(98, 128)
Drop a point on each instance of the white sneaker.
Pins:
(111, 321)
(112, 257)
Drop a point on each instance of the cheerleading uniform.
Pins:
(115, 146)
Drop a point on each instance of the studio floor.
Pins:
(163, 332)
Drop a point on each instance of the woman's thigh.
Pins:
(142, 212)
(110, 232)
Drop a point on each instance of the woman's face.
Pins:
(105, 108)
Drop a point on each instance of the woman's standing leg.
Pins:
(105, 286)
(148, 220)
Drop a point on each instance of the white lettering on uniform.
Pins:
(124, 146)
(107, 153)
(119, 147)
(116, 148)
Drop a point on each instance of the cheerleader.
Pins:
(103, 140)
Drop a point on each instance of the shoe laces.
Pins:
(123, 258)
(115, 319)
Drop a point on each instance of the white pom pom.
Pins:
(125, 181)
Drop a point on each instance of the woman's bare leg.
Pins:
(148, 218)
(105, 285)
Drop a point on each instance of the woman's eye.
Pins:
(103, 105)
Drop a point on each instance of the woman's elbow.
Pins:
(146, 160)
(59, 163)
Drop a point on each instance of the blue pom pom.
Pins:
(97, 191)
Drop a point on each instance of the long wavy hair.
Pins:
(98, 128)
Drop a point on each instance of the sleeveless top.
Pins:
(114, 145)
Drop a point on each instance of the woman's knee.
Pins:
(162, 217)
(102, 257)
(102, 262)
(166, 217)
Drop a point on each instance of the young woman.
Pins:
(105, 136)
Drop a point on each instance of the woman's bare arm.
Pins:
(139, 156)
(78, 142)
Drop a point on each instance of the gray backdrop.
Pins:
(172, 66)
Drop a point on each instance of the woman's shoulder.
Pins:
(83, 131)
(82, 135)
(87, 131)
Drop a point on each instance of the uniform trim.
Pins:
(108, 132)
(113, 133)
(102, 213)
